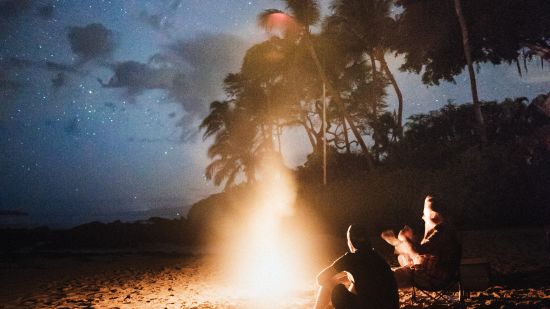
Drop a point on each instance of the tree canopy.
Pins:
(280, 84)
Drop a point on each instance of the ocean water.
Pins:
(62, 215)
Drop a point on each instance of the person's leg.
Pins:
(324, 292)
(403, 277)
(323, 297)
(341, 298)
(404, 260)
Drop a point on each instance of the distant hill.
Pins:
(167, 212)
(12, 213)
(63, 219)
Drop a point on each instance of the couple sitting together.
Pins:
(362, 279)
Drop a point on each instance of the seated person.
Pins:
(434, 261)
(358, 279)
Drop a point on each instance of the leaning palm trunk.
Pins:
(387, 71)
(309, 131)
(346, 138)
(467, 53)
(338, 100)
(379, 55)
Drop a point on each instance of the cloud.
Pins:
(13, 8)
(156, 21)
(137, 77)
(163, 18)
(73, 127)
(145, 140)
(175, 4)
(46, 11)
(110, 105)
(16, 63)
(55, 66)
(190, 71)
(10, 10)
(8, 87)
(22, 63)
(92, 42)
(59, 81)
(208, 59)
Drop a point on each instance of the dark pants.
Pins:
(341, 298)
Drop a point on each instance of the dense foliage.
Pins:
(504, 183)
(492, 168)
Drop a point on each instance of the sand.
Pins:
(519, 269)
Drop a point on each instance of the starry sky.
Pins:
(100, 101)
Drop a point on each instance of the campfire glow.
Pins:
(268, 257)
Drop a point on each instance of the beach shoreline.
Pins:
(168, 278)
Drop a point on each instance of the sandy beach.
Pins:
(168, 278)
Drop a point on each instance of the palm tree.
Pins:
(295, 26)
(269, 69)
(231, 151)
(244, 125)
(362, 94)
(369, 22)
(473, 85)
(239, 128)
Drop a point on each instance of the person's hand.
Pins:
(405, 247)
(406, 233)
(389, 237)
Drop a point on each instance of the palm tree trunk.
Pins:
(473, 85)
(310, 135)
(279, 132)
(338, 100)
(346, 138)
(385, 67)
(387, 71)
(313, 136)
(374, 77)
(269, 121)
(373, 65)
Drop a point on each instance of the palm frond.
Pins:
(307, 12)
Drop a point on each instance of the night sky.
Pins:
(100, 101)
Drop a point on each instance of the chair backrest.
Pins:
(452, 268)
(457, 257)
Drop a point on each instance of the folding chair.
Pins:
(451, 292)
(473, 274)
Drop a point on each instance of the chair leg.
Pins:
(447, 295)
(461, 295)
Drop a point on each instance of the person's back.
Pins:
(358, 279)
(374, 281)
(437, 257)
(443, 252)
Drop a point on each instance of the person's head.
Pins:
(434, 211)
(358, 238)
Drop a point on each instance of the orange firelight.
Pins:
(267, 259)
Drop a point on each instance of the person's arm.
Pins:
(407, 248)
(434, 241)
(330, 276)
(327, 279)
(406, 233)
